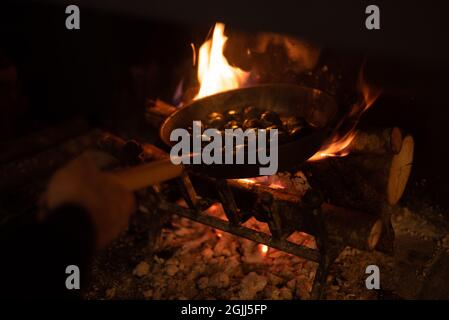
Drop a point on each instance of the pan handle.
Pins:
(148, 174)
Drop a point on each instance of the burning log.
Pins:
(377, 141)
(362, 233)
(294, 211)
(388, 173)
(285, 211)
(364, 182)
(342, 185)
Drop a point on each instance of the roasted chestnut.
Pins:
(252, 123)
(289, 128)
(273, 126)
(233, 124)
(294, 121)
(214, 115)
(270, 117)
(233, 114)
(215, 120)
(251, 112)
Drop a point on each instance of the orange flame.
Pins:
(216, 75)
(339, 144)
(337, 147)
(214, 72)
(263, 249)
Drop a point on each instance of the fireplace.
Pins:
(370, 193)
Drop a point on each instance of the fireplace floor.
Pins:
(190, 261)
(193, 261)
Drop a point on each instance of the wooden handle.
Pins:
(145, 175)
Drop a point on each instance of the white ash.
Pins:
(223, 266)
(194, 261)
(201, 262)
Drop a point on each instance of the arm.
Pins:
(86, 210)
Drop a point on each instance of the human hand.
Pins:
(108, 203)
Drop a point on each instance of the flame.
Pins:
(216, 75)
(339, 145)
(214, 72)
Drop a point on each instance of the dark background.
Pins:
(127, 51)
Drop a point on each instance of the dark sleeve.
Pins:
(34, 256)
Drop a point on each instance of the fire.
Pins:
(264, 180)
(263, 249)
(248, 180)
(216, 75)
(214, 72)
(337, 147)
(339, 144)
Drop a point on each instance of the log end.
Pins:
(374, 235)
(400, 170)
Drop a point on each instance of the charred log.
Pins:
(377, 141)
(364, 182)
(287, 212)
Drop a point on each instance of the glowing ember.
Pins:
(214, 72)
(264, 180)
(263, 249)
(248, 180)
